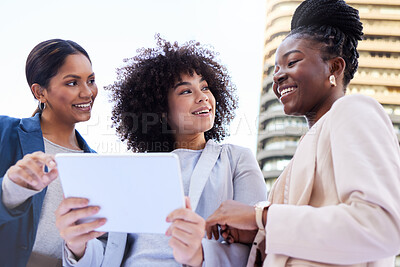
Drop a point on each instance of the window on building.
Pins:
(274, 106)
(285, 6)
(392, 109)
(390, 10)
(396, 128)
(280, 143)
(270, 182)
(281, 123)
(275, 164)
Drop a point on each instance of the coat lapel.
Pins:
(202, 171)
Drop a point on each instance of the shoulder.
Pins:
(10, 148)
(8, 125)
(235, 149)
(5, 121)
(356, 103)
(233, 152)
(358, 109)
(227, 148)
(237, 153)
(360, 115)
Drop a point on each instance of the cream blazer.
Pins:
(338, 201)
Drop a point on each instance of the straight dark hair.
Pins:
(46, 59)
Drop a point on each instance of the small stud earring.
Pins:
(332, 80)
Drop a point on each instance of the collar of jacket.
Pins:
(30, 132)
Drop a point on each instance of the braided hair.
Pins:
(333, 23)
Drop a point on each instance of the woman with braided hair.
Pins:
(338, 200)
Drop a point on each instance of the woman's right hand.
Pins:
(77, 235)
(29, 171)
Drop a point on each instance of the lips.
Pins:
(84, 106)
(202, 111)
(286, 90)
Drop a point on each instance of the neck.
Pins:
(322, 108)
(62, 134)
(194, 142)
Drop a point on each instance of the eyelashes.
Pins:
(75, 83)
(291, 63)
(188, 91)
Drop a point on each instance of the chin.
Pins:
(290, 110)
(208, 127)
(84, 118)
(287, 111)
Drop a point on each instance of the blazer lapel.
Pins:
(304, 167)
(30, 135)
(202, 171)
(302, 177)
(114, 252)
(31, 139)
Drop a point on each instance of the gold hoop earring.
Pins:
(332, 80)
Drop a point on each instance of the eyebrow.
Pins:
(187, 83)
(76, 76)
(290, 52)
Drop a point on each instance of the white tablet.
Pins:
(135, 192)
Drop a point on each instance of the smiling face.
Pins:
(301, 78)
(191, 106)
(71, 92)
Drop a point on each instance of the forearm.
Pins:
(13, 194)
(337, 234)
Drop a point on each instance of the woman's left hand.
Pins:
(232, 214)
(186, 231)
(233, 235)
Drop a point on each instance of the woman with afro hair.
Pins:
(337, 203)
(179, 99)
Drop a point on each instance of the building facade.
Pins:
(378, 76)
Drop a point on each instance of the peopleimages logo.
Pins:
(242, 124)
(100, 133)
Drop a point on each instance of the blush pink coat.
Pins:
(338, 201)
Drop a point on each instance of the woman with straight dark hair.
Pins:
(60, 76)
(337, 203)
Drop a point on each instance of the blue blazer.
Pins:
(18, 227)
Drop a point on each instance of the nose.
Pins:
(279, 76)
(86, 91)
(202, 97)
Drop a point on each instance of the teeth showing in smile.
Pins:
(287, 90)
(201, 112)
(83, 105)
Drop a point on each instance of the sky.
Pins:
(113, 30)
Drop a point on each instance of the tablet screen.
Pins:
(135, 192)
